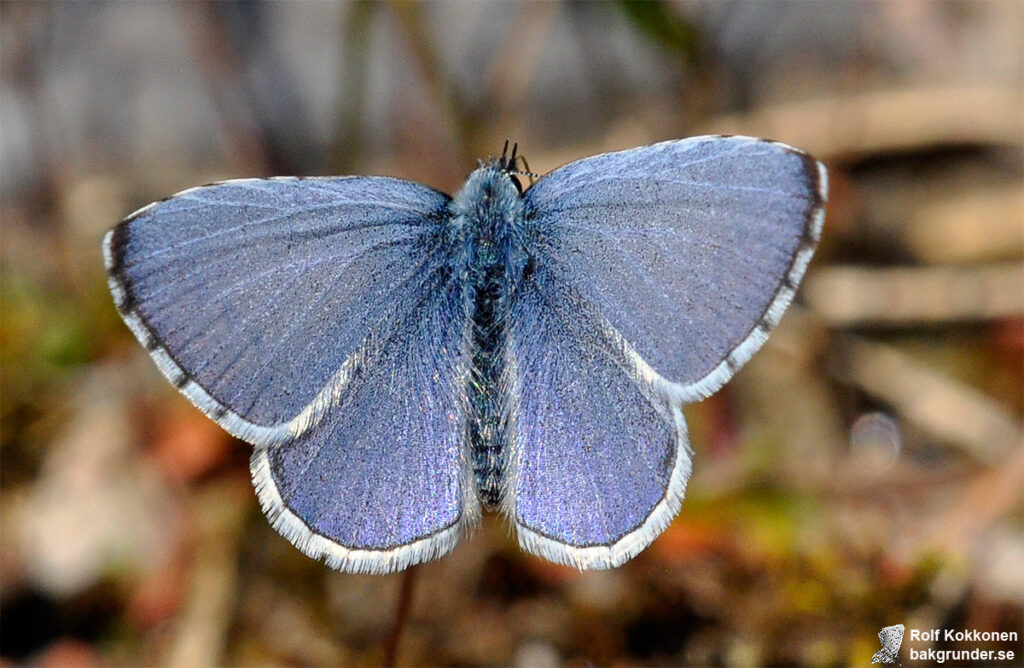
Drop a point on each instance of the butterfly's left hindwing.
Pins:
(599, 456)
(382, 481)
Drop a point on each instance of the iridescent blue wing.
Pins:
(692, 249)
(598, 457)
(659, 271)
(304, 316)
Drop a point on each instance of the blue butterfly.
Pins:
(401, 359)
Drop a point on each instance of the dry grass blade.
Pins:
(895, 120)
(846, 296)
(984, 225)
(938, 404)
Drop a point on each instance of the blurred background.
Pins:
(865, 469)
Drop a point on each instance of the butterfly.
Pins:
(401, 359)
(892, 638)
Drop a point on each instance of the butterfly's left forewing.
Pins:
(255, 291)
(692, 249)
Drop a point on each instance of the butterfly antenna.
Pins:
(525, 171)
(509, 161)
(504, 155)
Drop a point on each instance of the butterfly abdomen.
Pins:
(486, 433)
(487, 217)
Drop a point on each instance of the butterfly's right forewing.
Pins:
(258, 290)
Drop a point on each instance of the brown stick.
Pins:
(401, 616)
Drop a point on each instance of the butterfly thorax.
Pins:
(487, 226)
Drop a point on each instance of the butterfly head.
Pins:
(509, 164)
(487, 213)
